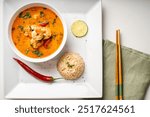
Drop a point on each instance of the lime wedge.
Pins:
(79, 28)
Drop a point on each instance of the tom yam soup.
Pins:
(37, 32)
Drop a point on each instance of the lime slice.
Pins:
(79, 28)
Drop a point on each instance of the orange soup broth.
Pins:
(22, 42)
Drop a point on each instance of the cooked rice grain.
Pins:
(71, 66)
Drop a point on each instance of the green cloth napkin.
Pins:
(136, 72)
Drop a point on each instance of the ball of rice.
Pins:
(71, 66)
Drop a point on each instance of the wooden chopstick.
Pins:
(120, 69)
(117, 68)
(119, 81)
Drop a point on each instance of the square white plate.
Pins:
(18, 84)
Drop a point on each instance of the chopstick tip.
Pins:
(118, 30)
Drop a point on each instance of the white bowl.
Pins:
(36, 59)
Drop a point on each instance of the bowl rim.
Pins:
(21, 55)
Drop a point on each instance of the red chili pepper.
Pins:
(43, 24)
(46, 43)
(34, 73)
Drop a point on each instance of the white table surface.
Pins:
(131, 16)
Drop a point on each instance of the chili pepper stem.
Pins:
(57, 78)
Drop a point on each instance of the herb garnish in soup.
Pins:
(37, 32)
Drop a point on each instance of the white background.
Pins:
(1, 68)
(131, 16)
